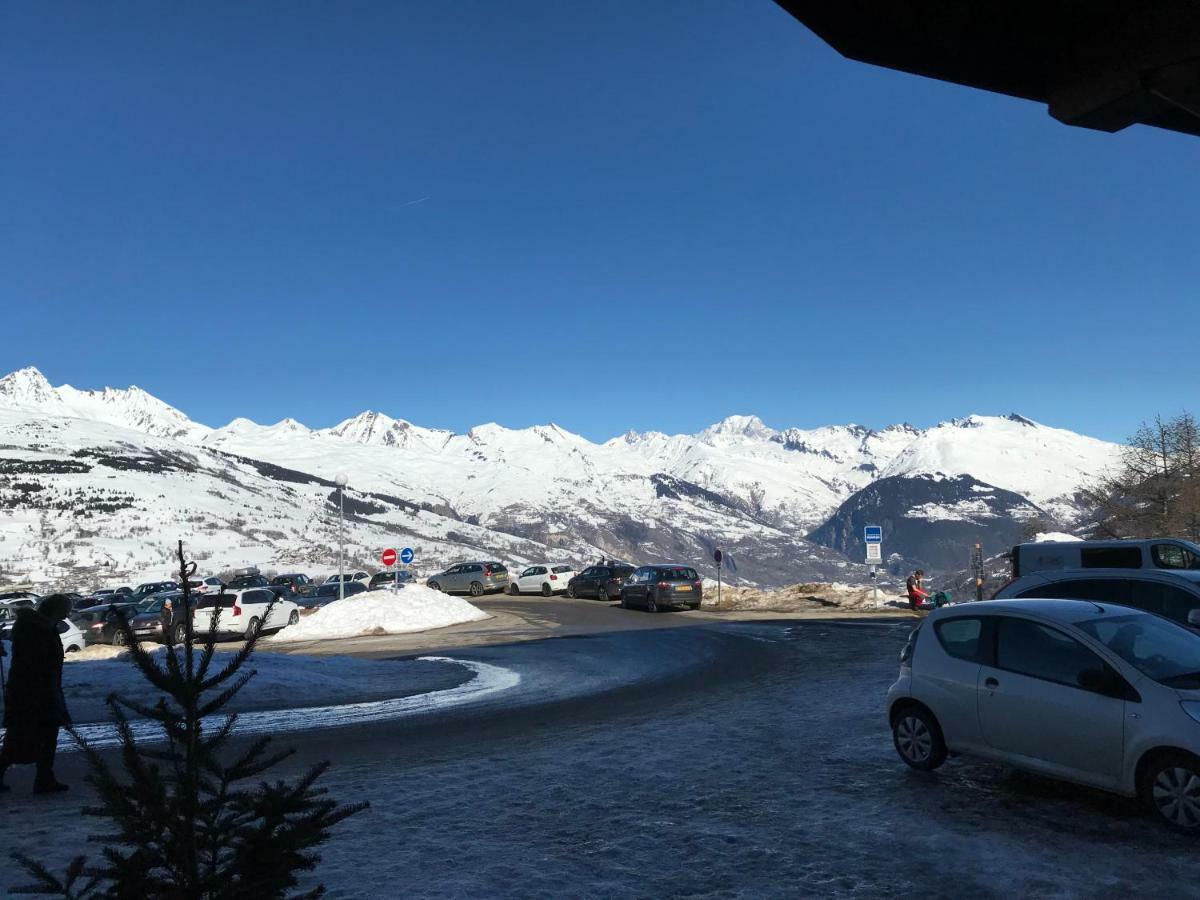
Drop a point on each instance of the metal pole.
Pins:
(342, 545)
(718, 585)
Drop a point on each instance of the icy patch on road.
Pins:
(413, 608)
(488, 679)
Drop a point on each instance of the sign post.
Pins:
(388, 558)
(873, 538)
(717, 557)
(406, 557)
(977, 565)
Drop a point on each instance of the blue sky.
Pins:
(607, 215)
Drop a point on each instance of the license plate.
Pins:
(684, 587)
(502, 578)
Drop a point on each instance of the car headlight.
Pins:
(1192, 708)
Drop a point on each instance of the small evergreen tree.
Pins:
(190, 820)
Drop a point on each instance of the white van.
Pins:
(1160, 553)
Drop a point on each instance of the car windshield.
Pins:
(1159, 649)
(150, 605)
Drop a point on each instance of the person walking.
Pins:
(34, 706)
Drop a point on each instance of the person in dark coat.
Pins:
(34, 706)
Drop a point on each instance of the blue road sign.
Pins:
(406, 555)
(873, 534)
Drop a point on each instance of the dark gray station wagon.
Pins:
(661, 587)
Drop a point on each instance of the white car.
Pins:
(544, 578)
(71, 636)
(241, 612)
(209, 585)
(1097, 694)
(68, 633)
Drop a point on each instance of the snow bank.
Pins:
(415, 608)
(1044, 537)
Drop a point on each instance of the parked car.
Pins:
(153, 587)
(241, 611)
(147, 619)
(100, 624)
(328, 592)
(68, 632)
(348, 577)
(474, 578)
(294, 584)
(211, 584)
(9, 596)
(661, 587)
(1048, 557)
(381, 580)
(8, 608)
(1097, 694)
(242, 582)
(602, 582)
(1174, 594)
(544, 578)
(101, 594)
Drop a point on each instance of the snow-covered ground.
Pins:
(803, 597)
(413, 608)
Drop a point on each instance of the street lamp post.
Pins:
(341, 482)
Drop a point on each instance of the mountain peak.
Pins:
(28, 387)
(739, 426)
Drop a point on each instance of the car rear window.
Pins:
(622, 571)
(211, 601)
(678, 574)
(496, 569)
(558, 570)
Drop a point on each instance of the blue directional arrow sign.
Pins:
(406, 555)
(873, 534)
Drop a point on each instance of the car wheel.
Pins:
(514, 591)
(119, 638)
(651, 604)
(251, 627)
(180, 634)
(1171, 787)
(602, 596)
(435, 586)
(476, 589)
(570, 592)
(294, 617)
(918, 739)
(546, 592)
(73, 649)
(624, 601)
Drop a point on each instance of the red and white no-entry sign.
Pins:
(389, 557)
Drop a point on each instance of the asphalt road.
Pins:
(727, 760)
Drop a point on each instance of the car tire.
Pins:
(251, 627)
(433, 585)
(1170, 786)
(180, 634)
(118, 638)
(476, 589)
(294, 618)
(918, 739)
(624, 601)
(602, 596)
(514, 591)
(546, 592)
(570, 592)
(74, 648)
(651, 604)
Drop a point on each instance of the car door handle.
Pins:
(991, 683)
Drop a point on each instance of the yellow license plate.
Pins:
(684, 587)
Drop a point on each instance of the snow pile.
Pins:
(1054, 537)
(415, 608)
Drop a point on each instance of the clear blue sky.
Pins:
(607, 215)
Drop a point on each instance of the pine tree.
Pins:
(191, 819)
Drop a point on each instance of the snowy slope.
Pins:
(1046, 465)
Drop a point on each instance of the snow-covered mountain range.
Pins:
(261, 493)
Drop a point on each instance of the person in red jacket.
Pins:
(916, 594)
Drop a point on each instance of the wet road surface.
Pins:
(732, 760)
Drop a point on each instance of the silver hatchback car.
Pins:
(1096, 694)
(474, 578)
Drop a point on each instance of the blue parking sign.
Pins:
(873, 534)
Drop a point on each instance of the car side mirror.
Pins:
(1194, 618)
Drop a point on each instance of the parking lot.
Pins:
(722, 760)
